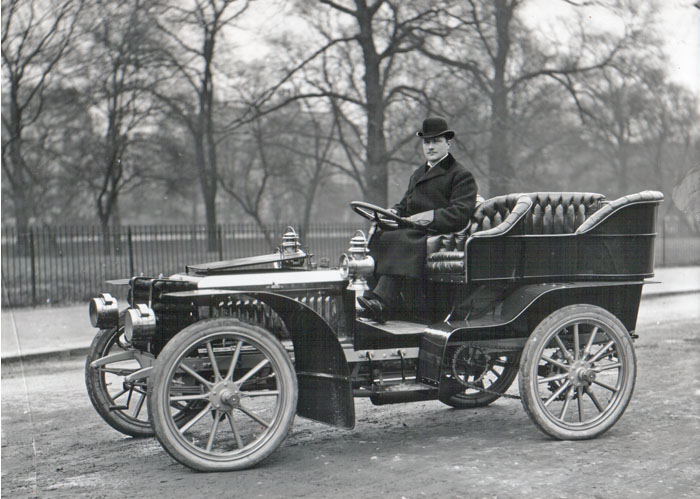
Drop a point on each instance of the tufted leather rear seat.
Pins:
(542, 213)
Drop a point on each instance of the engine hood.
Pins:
(264, 280)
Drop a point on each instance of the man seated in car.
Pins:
(441, 196)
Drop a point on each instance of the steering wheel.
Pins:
(386, 219)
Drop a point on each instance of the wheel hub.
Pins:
(582, 374)
(225, 395)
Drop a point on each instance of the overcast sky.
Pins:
(680, 29)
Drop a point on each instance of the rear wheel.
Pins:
(121, 405)
(246, 383)
(484, 377)
(577, 372)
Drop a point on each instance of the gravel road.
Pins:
(55, 445)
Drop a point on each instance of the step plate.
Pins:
(370, 335)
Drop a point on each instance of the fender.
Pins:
(323, 374)
(512, 320)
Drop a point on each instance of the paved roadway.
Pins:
(55, 445)
(44, 332)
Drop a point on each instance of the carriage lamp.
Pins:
(104, 311)
(356, 264)
(290, 241)
(290, 247)
(140, 320)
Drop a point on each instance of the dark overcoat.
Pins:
(444, 196)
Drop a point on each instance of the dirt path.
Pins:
(55, 445)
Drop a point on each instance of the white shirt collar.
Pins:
(430, 165)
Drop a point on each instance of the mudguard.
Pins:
(508, 325)
(323, 374)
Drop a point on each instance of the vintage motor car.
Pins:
(217, 361)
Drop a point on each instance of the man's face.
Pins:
(435, 148)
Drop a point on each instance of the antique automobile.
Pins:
(217, 361)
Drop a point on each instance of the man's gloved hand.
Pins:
(423, 218)
(388, 220)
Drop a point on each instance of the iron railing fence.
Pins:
(70, 264)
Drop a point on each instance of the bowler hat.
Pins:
(435, 126)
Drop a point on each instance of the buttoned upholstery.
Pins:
(541, 213)
(551, 213)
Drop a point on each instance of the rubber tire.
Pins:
(480, 399)
(159, 410)
(530, 359)
(100, 398)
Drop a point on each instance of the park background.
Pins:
(139, 136)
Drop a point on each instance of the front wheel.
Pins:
(577, 372)
(247, 387)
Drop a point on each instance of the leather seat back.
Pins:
(551, 213)
(561, 212)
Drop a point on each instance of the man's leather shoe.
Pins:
(374, 308)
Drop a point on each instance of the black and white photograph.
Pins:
(350, 249)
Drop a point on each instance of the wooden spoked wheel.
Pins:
(245, 382)
(577, 372)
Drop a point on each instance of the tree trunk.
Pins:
(105, 212)
(116, 228)
(377, 174)
(210, 212)
(208, 193)
(210, 203)
(309, 200)
(22, 221)
(501, 173)
(106, 236)
(623, 169)
(205, 130)
(376, 169)
(20, 193)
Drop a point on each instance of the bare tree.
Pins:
(63, 145)
(486, 42)
(673, 144)
(313, 162)
(193, 33)
(36, 36)
(642, 128)
(306, 140)
(613, 111)
(354, 71)
(249, 166)
(170, 157)
(119, 66)
(274, 167)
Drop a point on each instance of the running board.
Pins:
(370, 335)
(403, 396)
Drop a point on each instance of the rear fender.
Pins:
(323, 374)
(515, 317)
